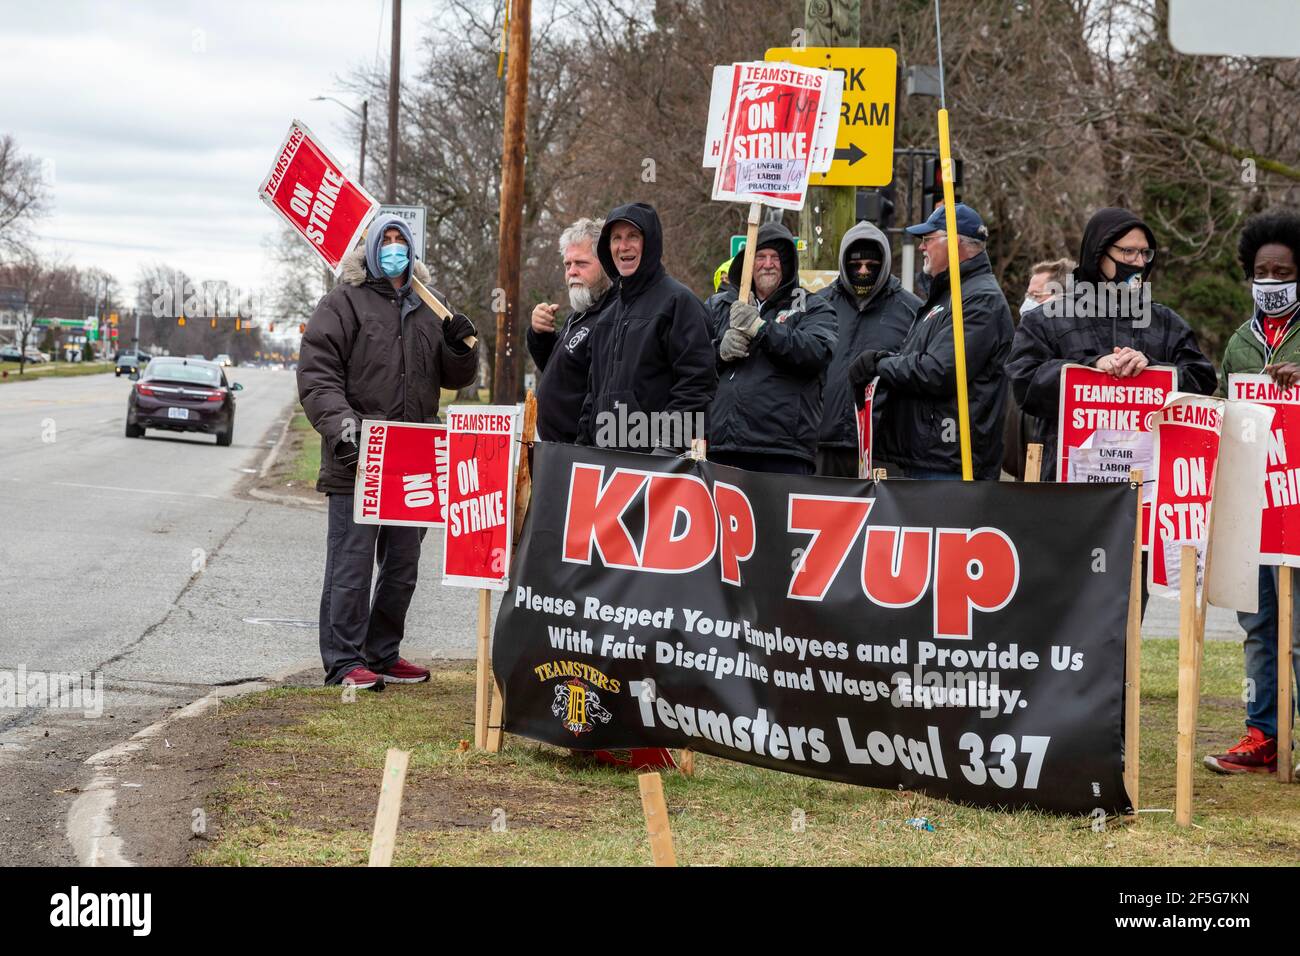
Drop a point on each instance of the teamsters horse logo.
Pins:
(576, 704)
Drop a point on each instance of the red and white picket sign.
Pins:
(401, 475)
(1280, 530)
(482, 454)
(771, 139)
(864, 429)
(1187, 434)
(1104, 426)
(309, 190)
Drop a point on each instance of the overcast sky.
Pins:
(157, 121)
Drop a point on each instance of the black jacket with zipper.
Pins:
(651, 350)
(919, 427)
(877, 321)
(770, 403)
(564, 359)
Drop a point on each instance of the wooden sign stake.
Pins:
(1033, 462)
(495, 717)
(1189, 685)
(751, 242)
(482, 671)
(384, 839)
(1133, 656)
(656, 819)
(1285, 702)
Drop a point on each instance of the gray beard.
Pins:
(582, 298)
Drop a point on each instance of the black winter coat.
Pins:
(1043, 343)
(920, 424)
(370, 353)
(564, 359)
(771, 402)
(651, 350)
(881, 325)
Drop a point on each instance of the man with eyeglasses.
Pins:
(1106, 320)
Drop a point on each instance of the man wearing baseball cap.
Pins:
(918, 383)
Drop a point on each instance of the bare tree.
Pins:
(23, 195)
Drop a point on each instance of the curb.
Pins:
(90, 818)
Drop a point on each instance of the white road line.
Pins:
(139, 491)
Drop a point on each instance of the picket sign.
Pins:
(401, 475)
(1280, 530)
(384, 839)
(863, 420)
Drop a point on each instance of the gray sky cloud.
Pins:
(158, 121)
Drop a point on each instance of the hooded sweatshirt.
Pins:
(651, 350)
(878, 320)
(770, 403)
(1049, 336)
(373, 352)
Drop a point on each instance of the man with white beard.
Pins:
(564, 356)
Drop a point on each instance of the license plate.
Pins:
(178, 413)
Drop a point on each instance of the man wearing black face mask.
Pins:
(873, 312)
(1106, 319)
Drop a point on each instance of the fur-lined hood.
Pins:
(354, 268)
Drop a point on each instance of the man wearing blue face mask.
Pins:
(373, 350)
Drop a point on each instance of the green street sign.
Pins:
(738, 241)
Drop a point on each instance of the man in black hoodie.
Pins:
(919, 427)
(564, 357)
(1105, 319)
(652, 360)
(873, 312)
(773, 359)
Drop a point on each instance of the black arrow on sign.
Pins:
(852, 153)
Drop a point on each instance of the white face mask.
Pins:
(1273, 296)
(1028, 305)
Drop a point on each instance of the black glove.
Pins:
(862, 370)
(458, 328)
(346, 452)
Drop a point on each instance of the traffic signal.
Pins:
(212, 322)
(932, 184)
(302, 328)
(112, 319)
(238, 326)
(876, 206)
(180, 321)
(271, 327)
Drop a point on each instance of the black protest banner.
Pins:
(961, 639)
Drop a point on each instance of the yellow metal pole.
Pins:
(954, 279)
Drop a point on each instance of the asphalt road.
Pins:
(141, 560)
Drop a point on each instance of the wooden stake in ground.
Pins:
(1285, 705)
(1189, 685)
(1033, 462)
(1133, 655)
(389, 810)
(482, 670)
(656, 819)
(496, 715)
(751, 242)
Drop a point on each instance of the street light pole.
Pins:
(394, 81)
(364, 115)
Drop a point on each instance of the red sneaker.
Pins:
(404, 672)
(363, 679)
(1254, 753)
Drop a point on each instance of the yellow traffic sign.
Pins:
(864, 148)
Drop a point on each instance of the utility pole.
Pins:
(830, 209)
(394, 90)
(505, 383)
(365, 124)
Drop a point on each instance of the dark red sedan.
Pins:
(182, 395)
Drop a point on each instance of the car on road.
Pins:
(224, 360)
(197, 357)
(182, 395)
(32, 355)
(130, 362)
